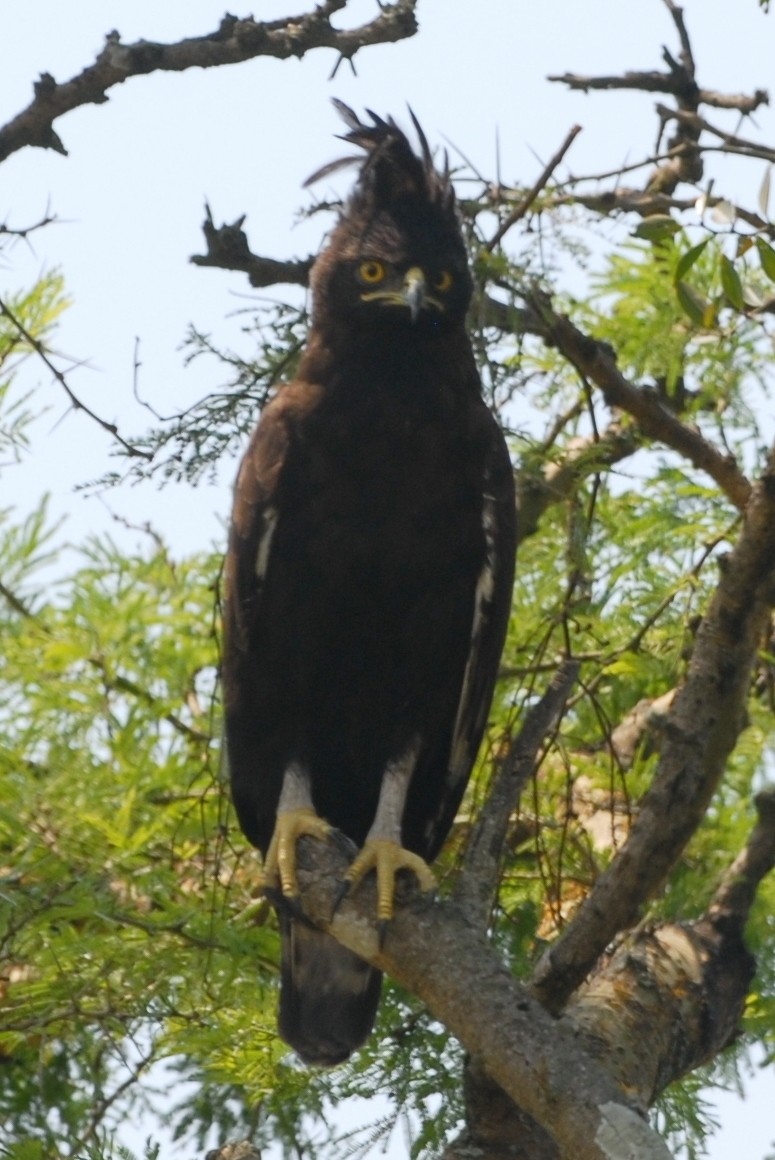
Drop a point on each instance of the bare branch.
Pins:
(646, 82)
(228, 249)
(234, 41)
(736, 892)
(524, 205)
(478, 881)
(687, 56)
(732, 143)
(700, 731)
(658, 82)
(75, 402)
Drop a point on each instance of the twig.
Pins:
(520, 210)
(75, 402)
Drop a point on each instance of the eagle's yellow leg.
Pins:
(280, 861)
(386, 857)
(382, 851)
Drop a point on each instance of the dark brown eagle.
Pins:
(369, 573)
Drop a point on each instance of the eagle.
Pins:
(369, 574)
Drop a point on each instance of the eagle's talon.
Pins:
(387, 858)
(342, 890)
(280, 861)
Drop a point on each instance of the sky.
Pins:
(129, 201)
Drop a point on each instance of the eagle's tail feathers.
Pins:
(328, 996)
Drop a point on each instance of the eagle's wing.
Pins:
(253, 523)
(489, 623)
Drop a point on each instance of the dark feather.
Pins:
(328, 996)
(371, 556)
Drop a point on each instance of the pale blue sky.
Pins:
(130, 200)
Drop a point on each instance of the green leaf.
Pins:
(687, 260)
(766, 258)
(657, 227)
(731, 283)
(693, 303)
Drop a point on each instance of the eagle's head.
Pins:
(396, 257)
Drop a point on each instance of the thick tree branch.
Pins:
(234, 41)
(436, 954)
(679, 988)
(682, 988)
(700, 731)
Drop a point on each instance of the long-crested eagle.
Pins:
(369, 573)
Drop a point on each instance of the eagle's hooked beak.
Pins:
(414, 291)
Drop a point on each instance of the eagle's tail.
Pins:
(328, 996)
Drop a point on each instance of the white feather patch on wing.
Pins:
(460, 757)
(265, 543)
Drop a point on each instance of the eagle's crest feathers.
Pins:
(391, 171)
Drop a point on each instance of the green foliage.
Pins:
(134, 955)
(36, 312)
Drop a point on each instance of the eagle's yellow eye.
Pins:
(371, 272)
(442, 281)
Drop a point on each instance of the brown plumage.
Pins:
(369, 571)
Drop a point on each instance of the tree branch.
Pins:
(700, 731)
(228, 249)
(75, 402)
(430, 949)
(680, 987)
(232, 42)
(477, 883)
(521, 209)
(597, 362)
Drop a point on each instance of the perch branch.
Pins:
(431, 949)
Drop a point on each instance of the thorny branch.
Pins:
(232, 42)
(524, 205)
(228, 249)
(75, 402)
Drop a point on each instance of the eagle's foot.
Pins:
(386, 858)
(280, 861)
